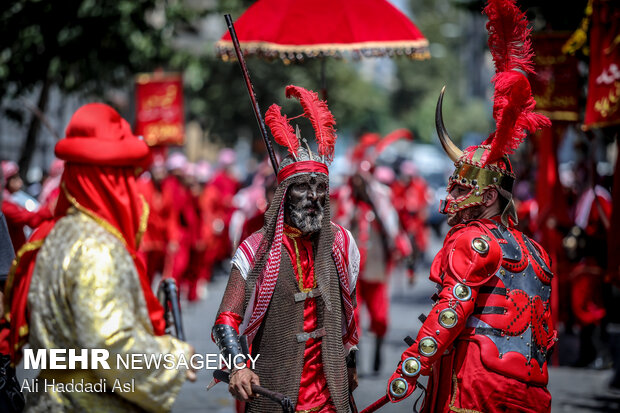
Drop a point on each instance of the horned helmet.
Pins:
(486, 166)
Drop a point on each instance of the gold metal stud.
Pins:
(480, 245)
(411, 366)
(428, 346)
(398, 387)
(462, 292)
(448, 318)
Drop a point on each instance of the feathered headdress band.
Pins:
(316, 111)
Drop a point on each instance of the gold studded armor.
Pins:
(494, 298)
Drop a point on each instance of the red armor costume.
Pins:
(486, 341)
(492, 317)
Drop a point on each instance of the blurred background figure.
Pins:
(586, 247)
(183, 222)
(154, 245)
(364, 206)
(20, 209)
(197, 246)
(217, 206)
(411, 199)
(199, 270)
(50, 187)
(251, 203)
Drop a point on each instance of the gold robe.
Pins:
(85, 293)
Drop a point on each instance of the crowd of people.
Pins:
(199, 213)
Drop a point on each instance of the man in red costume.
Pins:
(183, 221)
(410, 195)
(365, 206)
(486, 341)
(292, 283)
(79, 283)
(154, 245)
(218, 208)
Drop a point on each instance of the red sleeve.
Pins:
(229, 318)
(21, 216)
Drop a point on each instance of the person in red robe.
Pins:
(586, 246)
(183, 219)
(154, 245)
(199, 267)
(411, 199)
(365, 206)
(218, 207)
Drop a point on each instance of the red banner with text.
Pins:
(603, 103)
(159, 108)
(556, 83)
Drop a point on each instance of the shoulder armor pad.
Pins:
(473, 255)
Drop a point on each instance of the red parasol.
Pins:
(295, 29)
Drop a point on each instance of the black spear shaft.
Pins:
(282, 400)
(248, 84)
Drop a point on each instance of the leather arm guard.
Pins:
(227, 340)
(351, 359)
(467, 260)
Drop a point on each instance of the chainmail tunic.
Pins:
(280, 364)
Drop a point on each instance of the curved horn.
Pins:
(451, 149)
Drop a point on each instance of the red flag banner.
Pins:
(159, 108)
(556, 83)
(603, 103)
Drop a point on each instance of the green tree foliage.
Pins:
(80, 46)
(89, 46)
(83, 45)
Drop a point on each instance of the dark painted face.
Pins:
(305, 204)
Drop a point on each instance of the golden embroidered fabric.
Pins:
(294, 234)
(314, 409)
(453, 408)
(85, 293)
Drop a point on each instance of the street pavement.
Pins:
(572, 389)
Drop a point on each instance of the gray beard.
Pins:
(305, 222)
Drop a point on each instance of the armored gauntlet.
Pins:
(227, 340)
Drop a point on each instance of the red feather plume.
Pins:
(366, 141)
(513, 107)
(281, 129)
(392, 137)
(319, 115)
(509, 40)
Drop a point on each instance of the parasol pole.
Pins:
(323, 80)
(250, 87)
